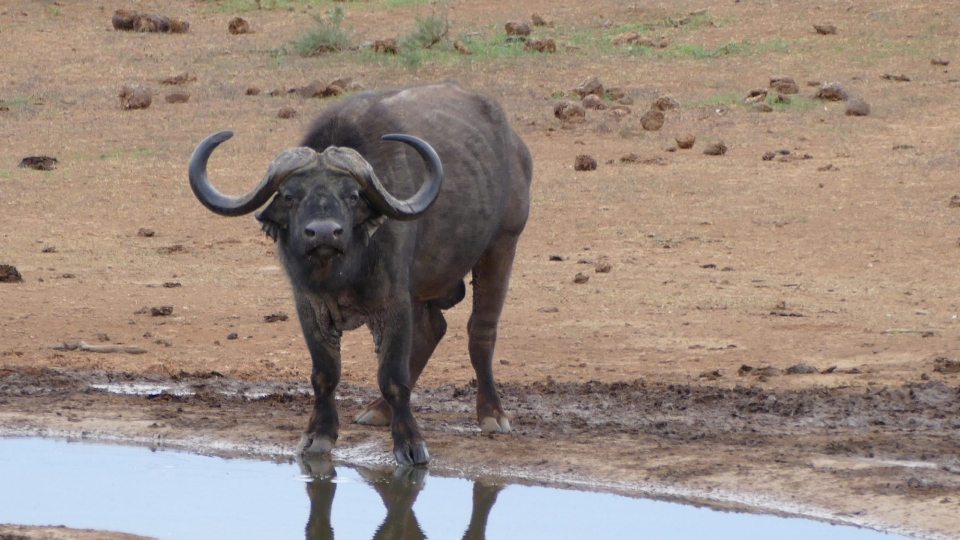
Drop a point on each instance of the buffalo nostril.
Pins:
(309, 232)
(338, 231)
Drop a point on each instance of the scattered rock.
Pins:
(825, 28)
(711, 375)
(630, 158)
(461, 47)
(652, 120)
(569, 111)
(161, 311)
(239, 25)
(152, 22)
(386, 46)
(313, 89)
(39, 163)
(585, 163)
(940, 61)
(898, 78)
(781, 98)
(556, 258)
(516, 28)
(756, 95)
(286, 112)
(171, 284)
(801, 369)
(686, 141)
(49, 249)
(769, 371)
(744, 370)
(603, 267)
(545, 45)
(784, 85)
(549, 309)
(135, 97)
(593, 101)
(768, 156)
(581, 278)
(10, 274)
(504, 361)
(279, 316)
(538, 20)
(616, 93)
(124, 19)
(946, 365)
(177, 97)
(955, 201)
(146, 233)
(665, 103)
(857, 107)
(763, 107)
(233, 335)
(715, 149)
(831, 91)
(277, 92)
(632, 38)
(253, 91)
(169, 250)
(828, 167)
(183, 78)
(590, 85)
(179, 26)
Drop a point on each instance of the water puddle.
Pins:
(177, 495)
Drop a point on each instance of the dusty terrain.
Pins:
(668, 374)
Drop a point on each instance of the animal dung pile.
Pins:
(825, 28)
(39, 163)
(857, 107)
(547, 45)
(652, 120)
(784, 85)
(832, 91)
(569, 111)
(715, 149)
(239, 25)
(131, 20)
(517, 29)
(686, 141)
(177, 80)
(177, 97)
(286, 112)
(134, 96)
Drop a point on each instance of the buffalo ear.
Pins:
(273, 218)
(370, 226)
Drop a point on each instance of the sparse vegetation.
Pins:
(430, 31)
(328, 35)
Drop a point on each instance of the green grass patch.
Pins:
(730, 48)
(327, 36)
(18, 101)
(797, 103)
(430, 30)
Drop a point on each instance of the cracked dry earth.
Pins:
(694, 442)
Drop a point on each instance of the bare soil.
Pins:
(666, 372)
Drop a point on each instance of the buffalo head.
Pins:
(323, 203)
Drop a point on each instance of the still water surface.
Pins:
(176, 495)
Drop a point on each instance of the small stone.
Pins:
(171, 284)
(124, 19)
(544, 45)
(593, 101)
(386, 46)
(233, 335)
(179, 26)
(603, 267)
(590, 85)
(784, 85)
(585, 163)
(147, 233)
(940, 61)
(177, 80)
(857, 107)
(556, 258)
(781, 98)
(825, 28)
(768, 156)
(715, 149)
(763, 106)
(665, 103)
(286, 112)
(832, 91)
(253, 91)
(279, 316)
(538, 20)
(687, 141)
(238, 25)
(313, 89)
(569, 111)
(39, 163)
(801, 369)
(581, 278)
(10, 274)
(898, 78)
(652, 120)
(549, 309)
(955, 201)
(516, 28)
(161, 311)
(135, 97)
(461, 47)
(49, 249)
(504, 361)
(178, 97)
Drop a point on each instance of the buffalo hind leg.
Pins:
(429, 326)
(491, 279)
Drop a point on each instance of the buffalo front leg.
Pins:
(429, 326)
(323, 342)
(491, 278)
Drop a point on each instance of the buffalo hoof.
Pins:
(314, 445)
(412, 454)
(495, 425)
(376, 414)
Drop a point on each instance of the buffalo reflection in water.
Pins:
(398, 488)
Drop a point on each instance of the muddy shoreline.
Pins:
(835, 454)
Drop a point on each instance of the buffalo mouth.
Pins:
(324, 253)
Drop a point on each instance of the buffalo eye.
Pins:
(354, 197)
(288, 197)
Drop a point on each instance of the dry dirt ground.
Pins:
(666, 375)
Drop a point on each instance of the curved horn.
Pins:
(373, 190)
(282, 167)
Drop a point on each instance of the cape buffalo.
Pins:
(357, 255)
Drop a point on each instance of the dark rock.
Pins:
(784, 85)
(825, 28)
(135, 97)
(832, 91)
(39, 163)
(585, 163)
(715, 149)
(857, 107)
(652, 120)
(10, 274)
(238, 25)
